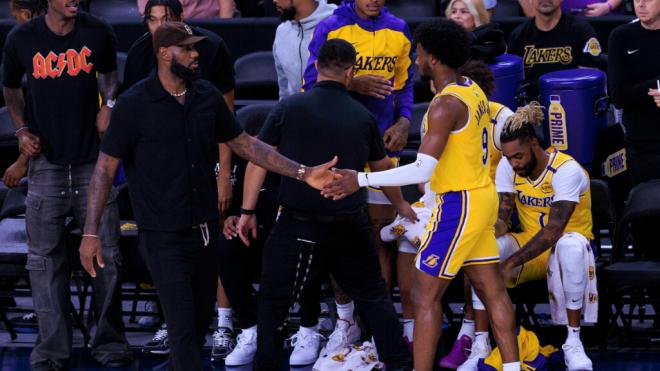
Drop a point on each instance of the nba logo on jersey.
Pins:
(431, 261)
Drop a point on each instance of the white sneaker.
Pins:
(246, 348)
(305, 348)
(344, 335)
(479, 350)
(575, 357)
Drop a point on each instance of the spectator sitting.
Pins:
(553, 40)
(194, 9)
(487, 39)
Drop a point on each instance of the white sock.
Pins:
(306, 331)
(224, 318)
(511, 366)
(408, 327)
(467, 328)
(481, 337)
(573, 334)
(345, 311)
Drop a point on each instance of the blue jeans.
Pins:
(55, 192)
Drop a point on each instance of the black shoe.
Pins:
(116, 363)
(46, 366)
(223, 344)
(158, 344)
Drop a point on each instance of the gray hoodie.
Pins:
(290, 48)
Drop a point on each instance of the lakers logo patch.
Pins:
(431, 261)
(398, 230)
(592, 273)
(592, 47)
(593, 298)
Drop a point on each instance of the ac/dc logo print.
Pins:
(54, 65)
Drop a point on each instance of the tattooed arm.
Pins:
(560, 213)
(265, 156)
(507, 204)
(99, 189)
(108, 84)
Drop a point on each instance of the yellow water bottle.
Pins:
(557, 121)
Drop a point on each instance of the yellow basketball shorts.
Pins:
(535, 269)
(460, 232)
(375, 195)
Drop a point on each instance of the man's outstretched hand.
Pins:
(319, 176)
(344, 183)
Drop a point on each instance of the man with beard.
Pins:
(216, 66)
(553, 41)
(68, 58)
(550, 191)
(166, 128)
(454, 157)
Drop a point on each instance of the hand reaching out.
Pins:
(319, 176)
(344, 183)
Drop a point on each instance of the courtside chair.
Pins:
(633, 277)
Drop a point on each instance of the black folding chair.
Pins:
(633, 277)
(256, 78)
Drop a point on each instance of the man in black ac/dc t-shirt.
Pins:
(553, 41)
(61, 53)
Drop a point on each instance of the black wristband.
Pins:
(247, 212)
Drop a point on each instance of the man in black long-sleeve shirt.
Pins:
(634, 71)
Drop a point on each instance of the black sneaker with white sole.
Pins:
(158, 344)
(223, 344)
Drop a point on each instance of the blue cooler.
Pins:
(576, 105)
(508, 72)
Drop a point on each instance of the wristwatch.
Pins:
(110, 103)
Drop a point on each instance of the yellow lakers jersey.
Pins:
(498, 114)
(534, 199)
(465, 162)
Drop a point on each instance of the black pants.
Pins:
(238, 265)
(185, 273)
(341, 247)
(642, 165)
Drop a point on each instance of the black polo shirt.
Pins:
(215, 61)
(313, 127)
(169, 151)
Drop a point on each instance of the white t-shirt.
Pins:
(569, 182)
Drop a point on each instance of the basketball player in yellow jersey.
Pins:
(454, 157)
(468, 334)
(550, 190)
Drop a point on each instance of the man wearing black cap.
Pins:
(166, 129)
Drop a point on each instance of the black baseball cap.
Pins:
(174, 33)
